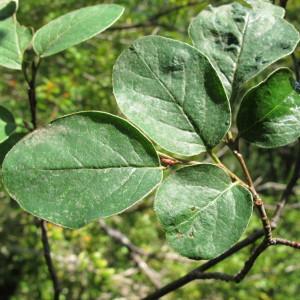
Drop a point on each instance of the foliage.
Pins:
(50, 90)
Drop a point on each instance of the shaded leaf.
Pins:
(14, 40)
(170, 90)
(75, 27)
(241, 42)
(7, 124)
(267, 6)
(7, 8)
(202, 212)
(81, 167)
(269, 115)
(7, 145)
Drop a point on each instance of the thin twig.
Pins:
(250, 262)
(288, 243)
(135, 253)
(121, 239)
(199, 273)
(243, 272)
(193, 275)
(31, 81)
(234, 146)
(47, 255)
(268, 241)
(32, 90)
(233, 176)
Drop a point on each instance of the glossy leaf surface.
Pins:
(14, 39)
(241, 42)
(269, 115)
(74, 28)
(81, 167)
(202, 212)
(171, 91)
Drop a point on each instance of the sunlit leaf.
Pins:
(171, 91)
(80, 168)
(74, 28)
(241, 42)
(202, 212)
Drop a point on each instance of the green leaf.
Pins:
(81, 167)
(202, 212)
(14, 40)
(7, 145)
(7, 124)
(244, 3)
(171, 91)
(7, 8)
(242, 42)
(269, 115)
(267, 6)
(75, 27)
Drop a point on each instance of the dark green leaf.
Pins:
(170, 90)
(14, 39)
(269, 115)
(81, 167)
(7, 8)
(242, 42)
(7, 124)
(75, 27)
(202, 211)
(7, 145)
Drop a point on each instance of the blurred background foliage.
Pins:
(90, 264)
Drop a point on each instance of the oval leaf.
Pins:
(14, 40)
(269, 115)
(75, 27)
(170, 90)
(7, 124)
(202, 211)
(81, 167)
(242, 42)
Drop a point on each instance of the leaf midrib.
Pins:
(90, 168)
(233, 84)
(208, 205)
(262, 119)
